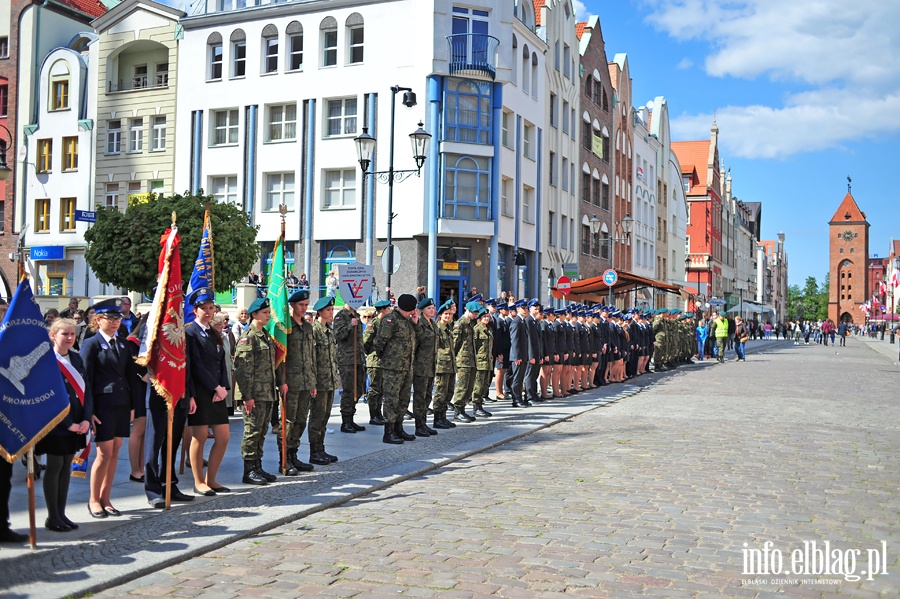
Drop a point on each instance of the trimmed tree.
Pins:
(123, 247)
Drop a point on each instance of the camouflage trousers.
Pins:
(374, 396)
(483, 380)
(351, 375)
(296, 412)
(256, 425)
(465, 386)
(319, 411)
(422, 386)
(444, 385)
(397, 385)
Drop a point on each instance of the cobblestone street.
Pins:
(655, 495)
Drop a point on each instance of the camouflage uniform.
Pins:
(373, 367)
(326, 382)
(395, 344)
(464, 349)
(445, 369)
(254, 373)
(300, 376)
(484, 363)
(350, 358)
(423, 367)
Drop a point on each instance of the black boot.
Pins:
(356, 426)
(461, 415)
(296, 463)
(289, 469)
(421, 429)
(347, 424)
(398, 428)
(250, 475)
(390, 436)
(259, 470)
(375, 417)
(331, 458)
(316, 456)
(440, 420)
(480, 411)
(408, 415)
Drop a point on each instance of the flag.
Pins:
(164, 354)
(895, 280)
(279, 326)
(882, 288)
(33, 396)
(202, 276)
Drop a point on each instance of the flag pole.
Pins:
(284, 432)
(170, 417)
(29, 457)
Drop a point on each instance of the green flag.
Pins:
(279, 326)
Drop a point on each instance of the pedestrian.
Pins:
(424, 365)
(741, 336)
(70, 311)
(351, 357)
(129, 318)
(331, 284)
(700, 334)
(842, 333)
(238, 327)
(395, 345)
(257, 387)
(375, 395)
(464, 349)
(327, 380)
(720, 334)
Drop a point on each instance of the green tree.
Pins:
(123, 248)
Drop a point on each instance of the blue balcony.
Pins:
(473, 55)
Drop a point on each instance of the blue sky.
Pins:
(804, 92)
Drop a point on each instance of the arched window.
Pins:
(467, 111)
(354, 26)
(294, 58)
(526, 68)
(59, 85)
(467, 192)
(328, 35)
(238, 53)
(270, 49)
(214, 56)
(534, 75)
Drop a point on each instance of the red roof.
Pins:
(579, 29)
(694, 154)
(538, 4)
(93, 8)
(848, 211)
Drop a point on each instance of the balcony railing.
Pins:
(473, 55)
(140, 82)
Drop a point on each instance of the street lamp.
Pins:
(5, 143)
(688, 263)
(365, 152)
(625, 225)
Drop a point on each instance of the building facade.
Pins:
(848, 267)
(644, 237)
(623, 160)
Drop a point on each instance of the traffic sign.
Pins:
(610, 277)
(384, 260)
(356, 283)
(564, 285)
(85, 216)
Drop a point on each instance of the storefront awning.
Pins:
(595, 290)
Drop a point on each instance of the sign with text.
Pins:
(48, 252)
(85, 216)
(564, 285)
(355, 283)
(610, 277)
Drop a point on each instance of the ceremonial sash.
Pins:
(73, 377)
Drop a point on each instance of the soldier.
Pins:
(351, 359)
(254, 373)
(300, 375)
(484, 359)
(373, 366)
(535, 351)
(501, 346)
(423, 368)
(395, 344)
(464, 349)
(327, 380)
(445, 367)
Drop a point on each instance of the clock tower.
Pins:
(848, 261)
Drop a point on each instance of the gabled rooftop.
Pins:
(848, 212)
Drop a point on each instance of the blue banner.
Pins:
(202, 276)
(33, 396)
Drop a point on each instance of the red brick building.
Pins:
(848, 262)
(623, 157)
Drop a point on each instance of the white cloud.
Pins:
(581, 11)
(684, 64)
(846, 55)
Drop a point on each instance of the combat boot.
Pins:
(296, 463)
(331, 458)
(398, 428)
(316, 457)
(259, 470)
(440, 420)
(421, 429)
(460, 415)
(480, 411)
(250, 475)
(347, 424)
(288, 469)
(390, 436)
(375, 417)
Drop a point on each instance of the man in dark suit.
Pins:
(535, 351)
(518, 354)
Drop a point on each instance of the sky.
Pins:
(805, 93)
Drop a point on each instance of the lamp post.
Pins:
(365, 151)
(625, 225)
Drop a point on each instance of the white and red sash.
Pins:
(73, 377)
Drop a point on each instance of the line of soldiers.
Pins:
(530, 352)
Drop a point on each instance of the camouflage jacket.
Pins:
(446, 358)
(327, 377)
(254, 366)
(300, 363)
(368, 339)
(395, 342)
(484, 342)
(343, 335)
(426, 347)
(464, 342)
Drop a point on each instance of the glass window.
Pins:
(507, 117)
(45, 155)
(136, 135)
(551, 229)
(140, 76)
(554, 170)
(565, 174)
(111, 200)
(356, 44)
(586, 187)
(505, 190)
(467, 192)
(4, 47)
(59, 99)
(527, 203)
(528, 141)
(4, 100)
(554, 111)
(225, 127)
(340, 189)
(341, 117)
(270, 55)
(467, 111)
(328, 34)
(295, 50)
(565, 117)
(70, 153)
(67, 214)
(42, 215)
(162, 74)
(567, 61)
(586, 240)
(282, 122)
(157, 187)
(215, 61)
(239, 59)
(279, 190)
(224, 189)
(158, 134)
(113, 137)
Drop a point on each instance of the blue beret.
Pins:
(482, 312)
(425, 303)
(200, 296)
(445, 306)
(299, 296)
(258, 304)
(382, 304)
(110, 307)
(323, 303)
(473, 306)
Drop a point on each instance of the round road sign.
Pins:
(564, 285)
(610, 277)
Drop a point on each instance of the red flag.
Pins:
(895, 280)
(882, 288)
(164, 354)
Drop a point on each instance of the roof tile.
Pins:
(92, 8)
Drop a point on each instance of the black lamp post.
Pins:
(689, 263)
(365, 151)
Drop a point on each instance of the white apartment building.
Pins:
(644, 207)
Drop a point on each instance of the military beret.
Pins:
(425, 303)
(503, 306)
(482, 312)
(476, 298)
(382, 304)
(445, 306)
(258, 304)
(473, 306)
(110, 307)
(299, 296)
(201, 296)
(407, 302)
(323, 302)
(533, 302)
(452, 300)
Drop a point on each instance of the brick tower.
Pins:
(847, 258)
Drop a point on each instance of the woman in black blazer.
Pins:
(70, 435)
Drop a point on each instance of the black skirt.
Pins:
(62, 445)
(208, 412)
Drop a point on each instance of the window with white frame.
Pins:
(527, 203)
(528, 141)
(279, 190)
(554, 170)
(270, 49)
(564, 238)
(224, 127)
(140, 76)
(158, 134)
(339, 189)
(565, 116)
(136, 135)
(157, 186)
(567, 61)
(162, 74)
(328, 35)
(294, 33)
(282, 122)
(341, 117)
(505, 189)
(554, 111)
(551, 229)
(111, 199)
(565, 174)
(238, 53)
(224, 189)
(113, 136)
(214, 57)
(504, 127)
(355, 32)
